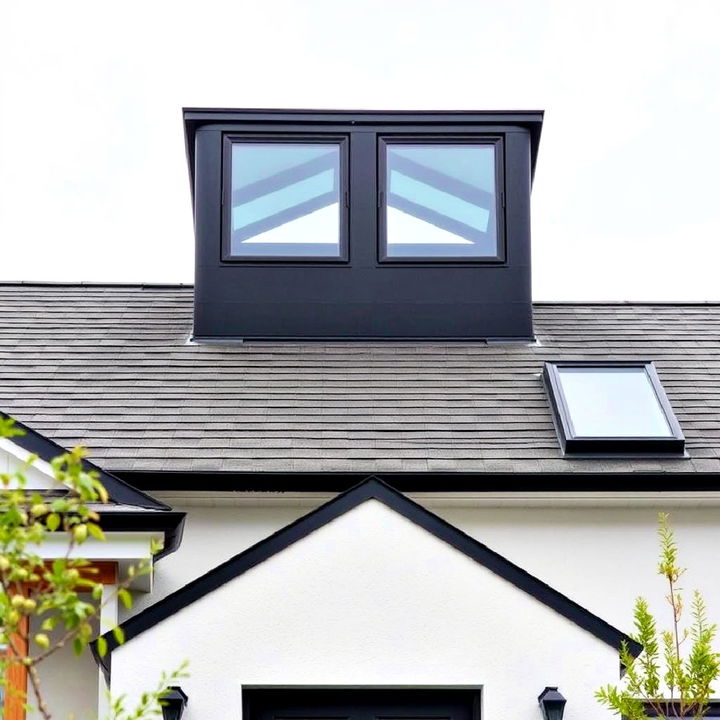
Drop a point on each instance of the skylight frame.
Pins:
(494, 140)
(672, 445)
(284, 138)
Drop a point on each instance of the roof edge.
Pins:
(301, 482)
(191, 285)
(92, 283)
(119, 490)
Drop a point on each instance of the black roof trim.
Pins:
(119, 490)
(371, 488)
(301, 482)
(171, 524)
(194, 118)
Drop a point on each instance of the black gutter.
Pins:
(420, 482)
(171, 524)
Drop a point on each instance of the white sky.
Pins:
(93, 181)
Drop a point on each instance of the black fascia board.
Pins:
(170, 523)
(371, 488)
(119, 490)
(303, 482)
(194, 118)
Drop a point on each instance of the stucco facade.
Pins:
(370, 600)
(600, 551)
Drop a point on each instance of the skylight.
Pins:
(612, 407)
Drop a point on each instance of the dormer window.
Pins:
(375, 225)
(441, 199)
(612, 408)
(285, 198)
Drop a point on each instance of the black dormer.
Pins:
(362, 225)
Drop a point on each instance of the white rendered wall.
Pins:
(602, 557)
(38, 476)
(372, 600)
(69, 684)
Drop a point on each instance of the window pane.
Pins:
(441, 201)
(285, 200)
(612, 402)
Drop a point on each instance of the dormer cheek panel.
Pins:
(362, 226)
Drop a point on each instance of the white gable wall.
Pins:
(601, 555)
(371, 599)
(39, 476)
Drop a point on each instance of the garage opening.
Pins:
(360, 704)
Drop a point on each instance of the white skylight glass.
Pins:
(612, 402)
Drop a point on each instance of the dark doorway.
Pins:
(361, 704)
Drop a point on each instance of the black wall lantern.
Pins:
(552, 703)
(173, 703)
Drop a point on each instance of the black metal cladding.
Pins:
(360, 294)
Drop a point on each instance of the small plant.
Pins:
(49, 605)
(674, 675)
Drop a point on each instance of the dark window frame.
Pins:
(341, 140)
(484, 139)
(333, 702)
(611, 446)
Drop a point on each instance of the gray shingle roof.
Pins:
(110, 367)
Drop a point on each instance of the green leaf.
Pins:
(118, 634)
(95, 531)
(125, 598)
(53, 522)
(51, 622)
(667, 671)
(102, 646)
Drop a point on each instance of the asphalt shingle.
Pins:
(111, 367)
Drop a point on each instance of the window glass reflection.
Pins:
(441, 201)
(285, 200)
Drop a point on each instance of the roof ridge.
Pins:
(616, 303)
(178, 285)
(84, 283)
